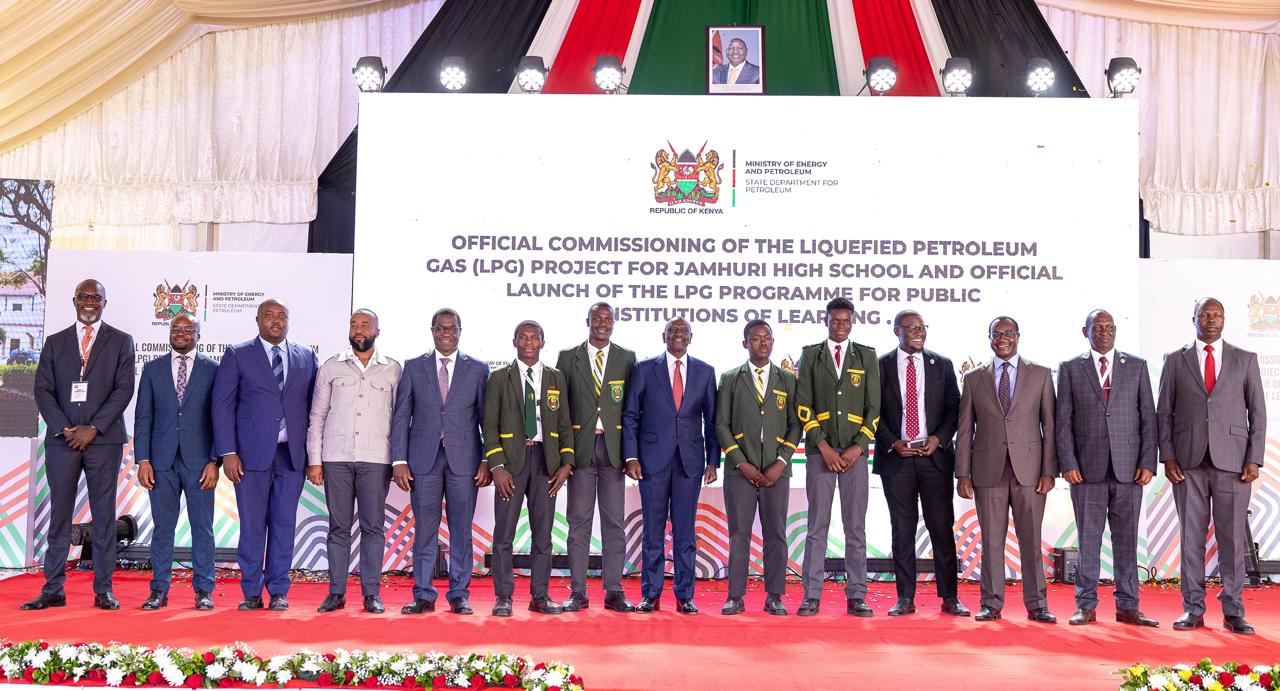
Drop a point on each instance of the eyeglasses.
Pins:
(188, 330)
(1104, 328)
(1003, 334)
(444, 330)
(88, 297)
(915, 328)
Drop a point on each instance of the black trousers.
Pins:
(919, 483)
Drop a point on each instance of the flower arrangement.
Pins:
(1203, 675)
(124, 665)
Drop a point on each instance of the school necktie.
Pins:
(530, 407)
(838, 360)
(760, 385)
(597, 372)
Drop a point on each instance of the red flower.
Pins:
(44, 646)
(511, 680)
(438, 682)
(1265, 680)
(96, 675)
(410, 682)
(330, 657)
(325, 679)
(575, 680)
(348, 676)
(225, 681)
(239, 654)
(1196, 680)
(130, 679)
(1243, 669)
(370, 681)
(195, 681)
(553, 688)
(208, 658)
(29, 675)
(155, 678)
(57, 677)
(1226, 679)
(540, 665)
(477, 681)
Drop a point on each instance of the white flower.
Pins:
(342, 657)
(1181, 666)
(115, 675)
(311, 665)
(260, 678)
(41, 658)
(554, 678)
(215, 670)
(275, 663)
(283, 676)
(227, 653)
(460, 680)
(1158, 681)
(1262, 669)
(85, 656)
(399, 666)
(173, 676)
(245, 670)
(66, 652)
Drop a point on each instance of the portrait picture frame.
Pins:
(749, 75)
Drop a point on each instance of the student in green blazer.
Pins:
(597, 371)
(758, 428)
(527, 445)
(838, 402)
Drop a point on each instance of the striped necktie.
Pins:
(597, 372)
(277, 366)
(760, 385)
(530, 407)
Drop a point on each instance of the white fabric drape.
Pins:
(935, 44)
(1209, 117)
(234, 128)
(1233, 15)
(546, 43)
(847, 47)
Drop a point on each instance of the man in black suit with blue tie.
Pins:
(173, 442)
(83, 384)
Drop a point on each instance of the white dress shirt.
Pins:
(1217, 357)
(537, 392)
(903, 356)
(844, 355)
(684, 369)
(1097, 365)
(604, 364)
(93, 338)
(173, 364)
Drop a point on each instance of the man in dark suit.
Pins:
(1106, 441)
(435, 456)
(261, 407)
(669, 441)
(919, 406)
(1212, 416)
(838, 402)
(597, 372)
(1005, 456)
(528, 442)
(83, 384)
(737, 70)
(173, 440)
(757, 427)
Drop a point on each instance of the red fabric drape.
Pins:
(887, 28)
(599, 27)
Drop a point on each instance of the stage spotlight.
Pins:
(1040, 75)
(531, 74)
(957, 76)
(881, 75)
(1122, 76)
(453, 73)
(608, 72)
(370, 74)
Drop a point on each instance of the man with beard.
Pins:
(348, 451)
(83, 384)
(261, 405)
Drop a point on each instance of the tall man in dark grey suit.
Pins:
(1213, 430)
(83, 384)
(1106, 440)
(597, 372)
(1005, 456)
(919, 407)
(435, 456)
(173, 442)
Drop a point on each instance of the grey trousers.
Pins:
(820, 488)
(1096, 504)
(608, 483)
(993, 505)
(741, 498)
(531, 484)
(1220, 493)
(346, 487)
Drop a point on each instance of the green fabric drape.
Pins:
(799, 59)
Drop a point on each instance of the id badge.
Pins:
(79, 391)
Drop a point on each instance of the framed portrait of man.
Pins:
(735, 59)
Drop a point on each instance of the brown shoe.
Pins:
(1135, 617)
(1084, 616)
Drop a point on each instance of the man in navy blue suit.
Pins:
(261, 407)
(173, 442)
(737, 70)
(435, 456)
(669, 441)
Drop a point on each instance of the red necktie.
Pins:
(85, 347)
(677, 387)
(837, 360)
(1106, 379)
(912, 407)
(1210, 377)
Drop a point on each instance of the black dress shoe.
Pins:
(858, 608)
(1084, 616)
(1135, 617)
(250, 602)
(648, 604)
(418, 607)
(543, 605)
(575, 603)
(279, 603)
(986, 614)
(733, 606)
(156, 600)
(686, 606)
(502, 607)
(616, 601)
(204, 602)
(903, 607)
(809, 607)
(1237, 625)
(954, 607)
(1188, 621)
(459, 605)
(373, 604)
(773, 605)
(45, 600)
(105, 601)
(332, 603)
(1041, 615)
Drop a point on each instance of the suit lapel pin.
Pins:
(932, 361)
(1122, 361)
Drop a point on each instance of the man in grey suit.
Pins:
(1005, 457)
(1213, 429)
(435, 456)
(83, 384)
(1106, 440)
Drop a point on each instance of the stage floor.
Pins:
(668, 650)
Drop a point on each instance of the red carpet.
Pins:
(668, 650)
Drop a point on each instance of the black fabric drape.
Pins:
(999, 36)
(491, 35)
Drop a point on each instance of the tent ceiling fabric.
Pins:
(1234, 15)
(59, 58)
